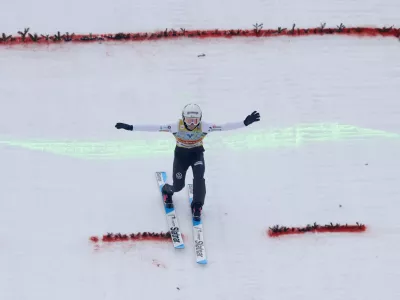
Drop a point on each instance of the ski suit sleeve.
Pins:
(156, 128)
(211, 127)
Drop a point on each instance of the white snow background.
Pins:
(51, 204)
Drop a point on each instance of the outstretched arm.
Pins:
(149, 127)
(210, 127)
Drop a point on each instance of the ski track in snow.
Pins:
(51, 204)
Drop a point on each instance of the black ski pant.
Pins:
(182, 162)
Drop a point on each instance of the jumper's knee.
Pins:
(179, 184)
(198, 169)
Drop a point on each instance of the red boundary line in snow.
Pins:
(27, 38)
(140, 236)
(282, 230)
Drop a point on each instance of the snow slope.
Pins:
(51, 202)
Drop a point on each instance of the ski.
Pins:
(198, 237)
(170, 213)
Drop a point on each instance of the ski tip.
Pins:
(202, 262)
(190, 190)
(181, 246)
(163, 174)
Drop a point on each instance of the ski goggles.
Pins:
(192, 121)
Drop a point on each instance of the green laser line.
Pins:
(294, 136)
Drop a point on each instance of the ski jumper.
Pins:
(189, 152)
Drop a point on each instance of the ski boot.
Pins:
(196, 212)
(167, 192)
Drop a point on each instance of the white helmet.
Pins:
(191, 114)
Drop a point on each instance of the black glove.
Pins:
(124, 126)
(254, 117)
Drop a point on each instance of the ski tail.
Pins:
(198, 236)
(170, 213)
